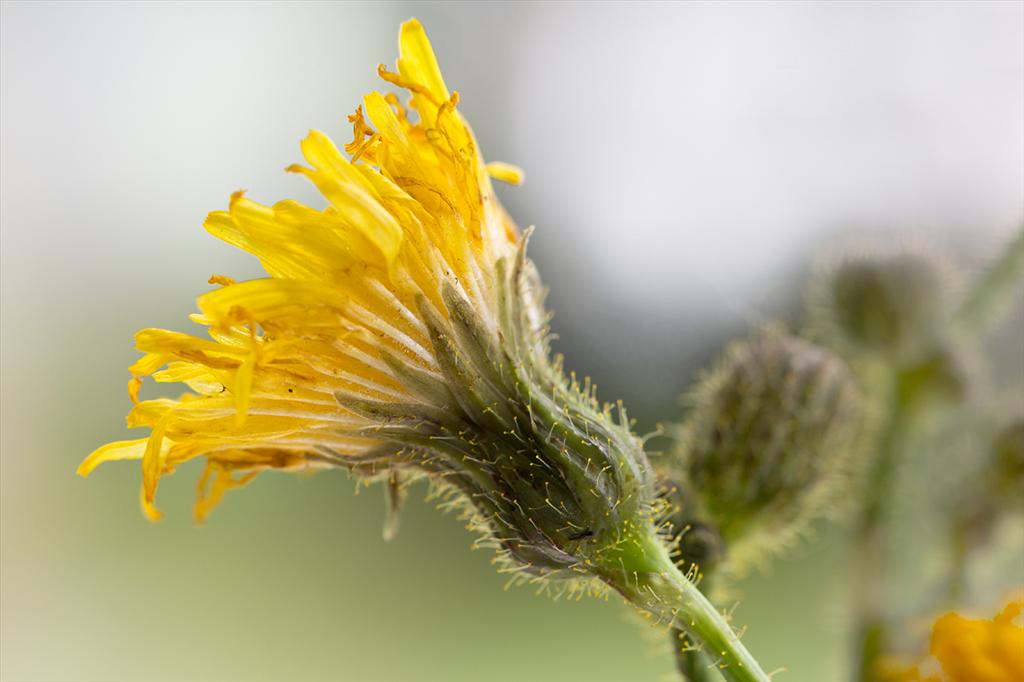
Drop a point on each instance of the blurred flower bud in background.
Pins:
(766, 442)
(892, 304)
(887, 300)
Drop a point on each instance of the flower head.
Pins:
(399, 332)
(976, 650)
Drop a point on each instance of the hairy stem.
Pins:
(691, 662)
(642, 571)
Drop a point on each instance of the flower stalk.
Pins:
(644, 573)
(691, 662)
(870, 615)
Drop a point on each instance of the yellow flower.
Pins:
(346, 300)
(401, 333)
(969, 650)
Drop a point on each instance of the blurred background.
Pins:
(685, 162)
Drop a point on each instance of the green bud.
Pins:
(766, 441)
(896, 305)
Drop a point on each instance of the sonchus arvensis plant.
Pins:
(400, 333)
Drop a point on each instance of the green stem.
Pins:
(691, 662)
(869, 545)
(641, 570)
(870, 629)
(981, 307)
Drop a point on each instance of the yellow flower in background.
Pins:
(980, 650)
(346, 301)
(970, 650)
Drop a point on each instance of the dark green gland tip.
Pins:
(766, 439)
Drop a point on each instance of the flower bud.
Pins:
(894, 304)
(766, 441)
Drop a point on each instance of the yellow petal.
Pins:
(352, 196)
(187, 347)
(149, 510)
(313, 253)
(134, 384)
(111, 452)
(209, 496)
(320, 151)
(390, 126)
(153, 460)
(418, 64)
(243, 388)
(506, 172)
(147, 364)
(267, 300)
(185, 372)
(149, 412)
